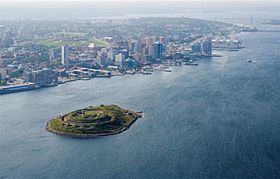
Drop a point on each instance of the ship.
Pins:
(190, 64)
(17, 88)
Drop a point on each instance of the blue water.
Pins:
(220, 119)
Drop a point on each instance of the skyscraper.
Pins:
(51, 54)
(6, 39)
(64, 54)
(158, 50)
(207, 47)
(119, 59)
(196, 48)
(148, 41)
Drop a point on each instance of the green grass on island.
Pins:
(100, 120)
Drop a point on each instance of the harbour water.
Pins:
(220, 119)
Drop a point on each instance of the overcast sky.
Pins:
(133, 0)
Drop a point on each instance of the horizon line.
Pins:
(11, 1)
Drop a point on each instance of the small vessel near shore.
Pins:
(190, 64)
(130, 72)
(146, 72)
(85, 79)
(167, 70)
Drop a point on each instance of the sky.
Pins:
(65, 9)
(135, 0)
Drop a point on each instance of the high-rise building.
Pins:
(161, 39)
(137, 46)
(150, 51)
(6, 39)
(207, 47)
(119, 59)
(51, 54)
(148, 41)
(131, 45)
(112, 55)
(64, 54)
(134, 46)
(196, 48)
(158, 50)
(103, 59)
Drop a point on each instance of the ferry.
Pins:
(17, 88)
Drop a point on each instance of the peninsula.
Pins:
(92, 121)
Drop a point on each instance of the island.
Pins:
(93, 121)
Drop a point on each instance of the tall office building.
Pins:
(112, 55)
(64, 54)
(119, 59)
(158, 50)
(134, 46)
(161, 39)
(103, 59)
(148, 41)
(6, 39)
(207, 47)
(131, 45)
(51, 54)
(196, 48)
(150, 51)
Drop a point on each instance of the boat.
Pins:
(17, 88)
(191, 64)
(160, 67)
(103, 76)
(51, 85)
(85, 78)
(129, 72)
(167, 70)
(249, 61)
(146, 72)
(157, 68)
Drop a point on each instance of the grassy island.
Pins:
(93, 121)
